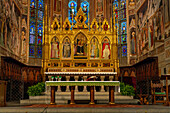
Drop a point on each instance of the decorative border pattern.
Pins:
(82, 83)
(95, 73)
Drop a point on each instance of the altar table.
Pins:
(111, 85)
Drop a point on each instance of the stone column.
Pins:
(128, 34)
(67, 87)
(49, 77)
(59, 88)
(52, 95)
(102, 87)
(111, 79)
(48, 88)
(76, 79)
(85, 87)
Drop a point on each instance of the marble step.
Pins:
(80, 97)
(80, 93)
(105, 101)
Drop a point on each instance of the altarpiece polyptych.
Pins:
(82, 44)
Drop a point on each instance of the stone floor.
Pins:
(15, 107)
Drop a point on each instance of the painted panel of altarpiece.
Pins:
(106, 48)
(80, 45)
(94, 48)
(66, 48)
(55, 48)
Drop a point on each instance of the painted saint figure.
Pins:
(67, 26)
(55, 27)
(80, 48)
(80, 19)
(23, 42)
(32, 11)
(94, 26)
(80, 45)
(99, 6)
(105, 27)
(106, 49)
(66, 49)
(54, 48)
(133, 41)
(106, 52)
(94, 49)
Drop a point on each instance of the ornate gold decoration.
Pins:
(80, 20)
(58, 65)
(105, 25)
(55, 26)
(94, 26)
(67, 25)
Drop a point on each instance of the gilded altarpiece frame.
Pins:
(87, 63)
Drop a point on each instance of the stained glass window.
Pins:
(85, 8)
(124, 50)
(119, 14)
(31, 51)
(39, 51)
(32, 39)
(115, 6)
(32, 28)
(123, 9)
(40, 15)
(123, 28)
(115, 12)
(33, 8)
(123, 39)
(72, 11)
(36, 28)
(123, 4)
(40, 30)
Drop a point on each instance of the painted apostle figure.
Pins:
(55, 49)
(66, 49)
(80, 47)
(93, 48)
(106, 52)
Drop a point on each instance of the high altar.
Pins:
(78, 49)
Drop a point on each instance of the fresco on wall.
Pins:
(150, 24)
(57, 6)
(23, 36)
(167, 10)
(94, 48)
(5, 22)
(153, 6)
(55, 48)
(142, 15)
(66, 48)
(106, 48)
(15, 39)
(133, 41)
(150, 32)
(158, 26)
(99, 6)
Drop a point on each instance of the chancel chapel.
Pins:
(76, 40)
